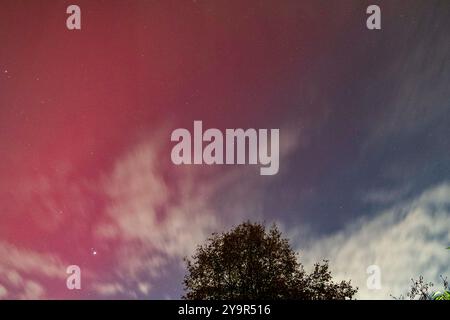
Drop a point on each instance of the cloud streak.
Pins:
(405, 241)
(23, 271)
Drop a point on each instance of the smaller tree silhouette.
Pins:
(249, 262)
(422, 290)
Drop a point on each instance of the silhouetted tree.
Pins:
(422, 290)
(249, 262)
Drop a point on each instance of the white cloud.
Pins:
(108, 289)
(20, 269)
(32, 290)
(159, 221)
(405, 241)
(156, 223)
(386, 195)
(3, 292)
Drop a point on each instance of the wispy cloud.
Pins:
(22, 272)
(418, 76)
(405, 241)
(155, 222)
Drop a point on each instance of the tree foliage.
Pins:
(250, 262)
(422, 290)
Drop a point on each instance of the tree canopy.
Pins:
(250, 262)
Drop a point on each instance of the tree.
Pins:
(421, 290)
(249, 262)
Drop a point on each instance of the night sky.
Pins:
(86, 115)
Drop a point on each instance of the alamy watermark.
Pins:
(74, 279)
(73, 21)
(236, 146)
(374, 280)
